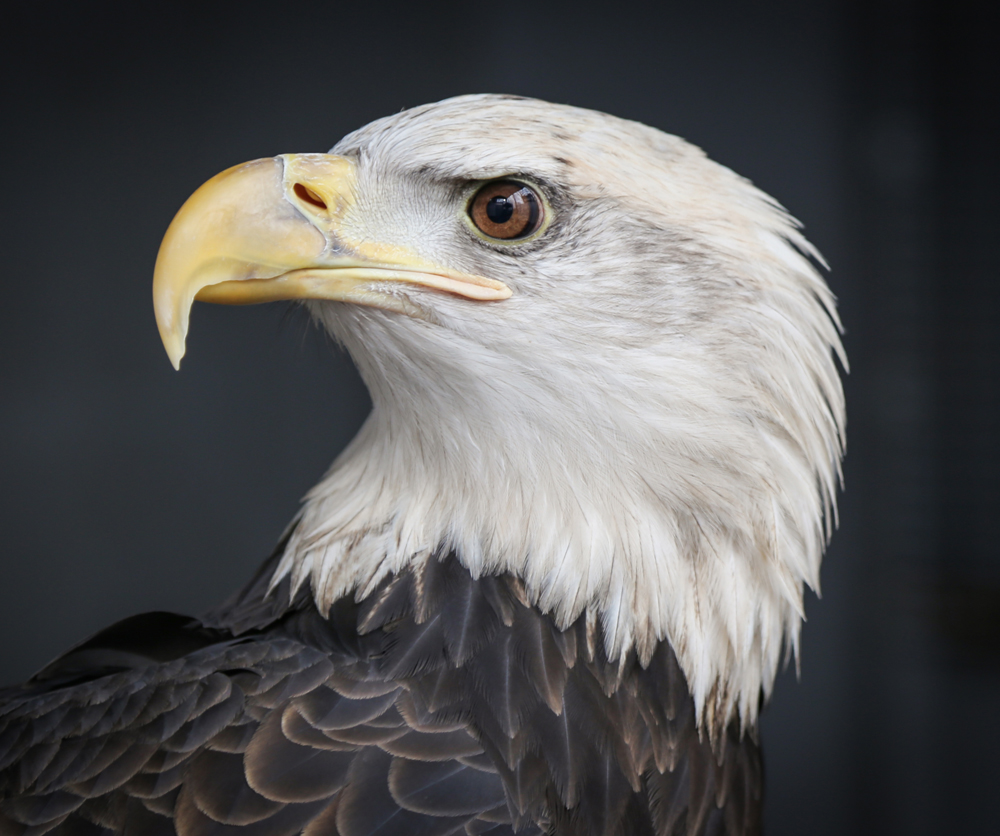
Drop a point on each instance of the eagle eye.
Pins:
(506, 209)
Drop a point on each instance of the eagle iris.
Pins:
(506, 209)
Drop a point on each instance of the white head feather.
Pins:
(649, 430)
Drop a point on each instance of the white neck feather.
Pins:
(666, 518)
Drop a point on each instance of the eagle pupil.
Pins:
(499, 209)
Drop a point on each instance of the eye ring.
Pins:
(507, 210)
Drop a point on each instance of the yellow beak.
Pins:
(273, 229)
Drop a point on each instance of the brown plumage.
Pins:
(440, 704)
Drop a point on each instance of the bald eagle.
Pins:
(549, 584)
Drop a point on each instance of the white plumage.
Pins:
(649, 430)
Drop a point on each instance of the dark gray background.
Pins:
(128, 487)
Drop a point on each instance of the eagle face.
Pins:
(598, 361)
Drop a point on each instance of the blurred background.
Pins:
(125, 486)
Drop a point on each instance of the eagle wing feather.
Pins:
(440, 703)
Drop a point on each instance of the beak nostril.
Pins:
(307, 195)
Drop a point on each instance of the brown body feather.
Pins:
(440, 704)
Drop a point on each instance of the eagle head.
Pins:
(597, 360)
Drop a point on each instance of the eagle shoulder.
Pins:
(441, 703)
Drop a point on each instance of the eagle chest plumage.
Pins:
(439, 704)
